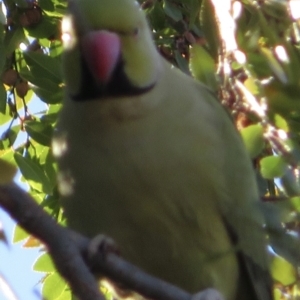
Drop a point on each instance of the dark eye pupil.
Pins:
(135, 31)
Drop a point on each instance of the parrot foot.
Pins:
(102, 244)
(208, 294)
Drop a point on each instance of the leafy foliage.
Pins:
(262, 92)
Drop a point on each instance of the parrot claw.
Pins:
(208, 294)
(102, 244)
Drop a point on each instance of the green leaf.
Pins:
(13, 39)
(50, 118)
(47, 28)
(46, 5)
(282, 271)
(2, 17)
(41, 132)
(8, 155)
(272, 167)
(267, 30)
(281, 123)
(44, 264)
(157, 16)
(50, 167)
(291, 182)
(7, 172)
(67, 295)
(53, 286)
(202, 66)
(44, 66)
(283, 99)
(21, 3)
(194, 11)
(48, 96)
(172, 11)
(33, 173)
(253, 139)
(181, 62)
(295, 201)
(37, 196)
(209, 26)
(41, 82)
(257, 62)
(284, 244)
(19, 234)
(13, 133)
(251, 85)
(274, 65)
(4, 118)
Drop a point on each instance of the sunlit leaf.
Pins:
(283, 271)
(253, 139)
(7, 172)
(273, 166)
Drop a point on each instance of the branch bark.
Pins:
(65, 254)
(69, 251)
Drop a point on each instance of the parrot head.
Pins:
(108, 50)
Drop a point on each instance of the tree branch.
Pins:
(66, 256)
(70, 253)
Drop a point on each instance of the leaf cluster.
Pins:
(186, 33)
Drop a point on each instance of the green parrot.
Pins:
(149, 157)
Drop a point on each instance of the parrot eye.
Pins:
(136, 31)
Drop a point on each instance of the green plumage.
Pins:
(163, 172)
